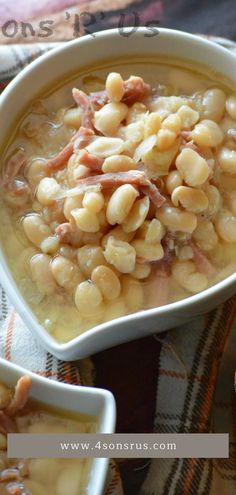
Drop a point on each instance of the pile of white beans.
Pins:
(112, 262)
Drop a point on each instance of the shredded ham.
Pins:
(64, 232)
(83, 101)
(13, 166)
(68, 233)
(168, 244)
(135, 177)
(154, 194)
(91, 161)
(99, 98)
(83, 138)
(80, 139)
(62, 158)
(20, 396)
(112, 180)
(135, 90)
(201, 262)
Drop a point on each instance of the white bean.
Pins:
(165, 139)
(227, 160)
(120, 254)
(85, 219)
(73, 117)
(141, 271)
(107, 281)
(192, 167)
(50, 245)
(146, 251)
(213, 104)
(231, 106)
(120, 204)
(89, 257)
(173, 180)
(35, 229)
(118, 163)
(118, 233)
(115, 87)
(47, 191)
(40, 266)
(70, 204)
(187, 276)
(108, 119)
(93, 201)
(88, 299)
(136, 215)
(225, 224)
(188, 117)
(207, 133)
(106, 146)
(66, 273)
(205, 235)
(193, 200)
(177, 220)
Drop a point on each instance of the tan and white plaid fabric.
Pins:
(195, 391)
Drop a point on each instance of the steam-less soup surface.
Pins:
(119, 194)
(18, 414)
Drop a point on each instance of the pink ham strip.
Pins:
(135, 90)
(14, 165)
(134, 177)
(62, 158)
(83, 101)
(20, 396)
(80, 139)
(154, 194)
(91, 161)
(99, 98)
(105, 181)
(201, 261)
(83, 138)
(64, 232)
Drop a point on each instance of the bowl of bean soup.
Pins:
(36, 405)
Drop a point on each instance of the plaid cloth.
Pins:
(195, 383)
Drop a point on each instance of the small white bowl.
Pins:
(54, 66)
(92, 401)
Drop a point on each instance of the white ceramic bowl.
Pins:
(93, 401)
(55, 65)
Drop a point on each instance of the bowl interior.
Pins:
(93, 402)
(74, 57)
